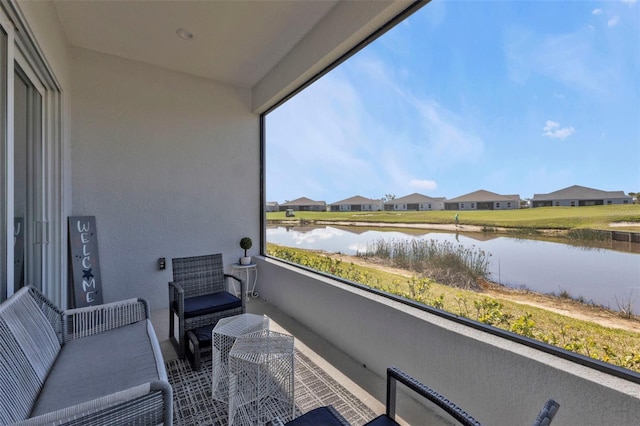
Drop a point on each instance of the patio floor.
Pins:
(326, 360)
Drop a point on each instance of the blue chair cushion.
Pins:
(210, 303)
(203, 334)
(316, 417)
(381, 421)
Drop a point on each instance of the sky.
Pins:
(513, 97)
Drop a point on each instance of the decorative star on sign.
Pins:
(86, 273)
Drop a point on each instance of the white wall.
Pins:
(169, 165)
(497, 381)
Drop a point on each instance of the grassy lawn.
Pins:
(618, 347)
(593, 217)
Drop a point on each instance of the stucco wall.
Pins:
(167, 163)
(496, 380)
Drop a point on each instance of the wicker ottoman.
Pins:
(198, 342)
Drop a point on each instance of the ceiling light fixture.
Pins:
(185, 34)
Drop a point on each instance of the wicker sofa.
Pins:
(86, 366)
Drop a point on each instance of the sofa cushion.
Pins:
(99, 365)
(210, 303)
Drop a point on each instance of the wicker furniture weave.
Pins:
(547, 413)
(99, 365)
(395, 375)
(198, 296)
(328, 416)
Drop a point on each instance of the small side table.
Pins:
(247, 269)
(261, 378)
(223, 336)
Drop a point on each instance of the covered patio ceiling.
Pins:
(268, 47)
(234, 42)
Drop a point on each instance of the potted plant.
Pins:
(245, 244)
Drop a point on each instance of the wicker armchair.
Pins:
(198, 296)
(395, 375)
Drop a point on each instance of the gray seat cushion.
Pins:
(98, 365)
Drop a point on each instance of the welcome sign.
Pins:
(85, 262)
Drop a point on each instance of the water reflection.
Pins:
(602, 276)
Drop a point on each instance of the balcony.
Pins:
(353, 335)
(362, 391)
(168, 159)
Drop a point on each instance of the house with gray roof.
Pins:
(304, 204)
(483, 200)
(578, 196)
(416, 202)
(357, 204)
(271, 206)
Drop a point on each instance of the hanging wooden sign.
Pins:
(85, 262)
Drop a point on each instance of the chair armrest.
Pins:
(243, 285)
(547, 413)
(176, 293)
(238, 279)
(395, 375)
(82, 322)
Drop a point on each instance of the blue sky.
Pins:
(514, 97)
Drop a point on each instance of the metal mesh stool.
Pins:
(261, 378)
(223, 336)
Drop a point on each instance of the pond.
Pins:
(601, 276)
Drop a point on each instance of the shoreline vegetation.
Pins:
(590, 330)
(455, 279)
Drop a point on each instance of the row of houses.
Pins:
(572, 196)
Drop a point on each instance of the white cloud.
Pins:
(596, 12)
(615, 20)
(424, 184)
(629, 2)
(553, 130)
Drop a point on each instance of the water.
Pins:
(604, 277)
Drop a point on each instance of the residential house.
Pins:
(304, 204)
(483, 200)
(578, 196)
(149, 116)
(415, 201)
(357, 204)
(271, 206)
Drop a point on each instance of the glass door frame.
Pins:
(35, 223)
(22, 48)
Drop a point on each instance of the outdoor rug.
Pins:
(193, 405)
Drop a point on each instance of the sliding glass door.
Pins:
(32, 225)
(30, 228)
